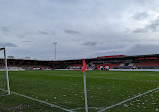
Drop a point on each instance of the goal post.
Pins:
(4, 79)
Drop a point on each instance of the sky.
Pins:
(81, 28)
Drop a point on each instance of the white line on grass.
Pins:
(41, 101)
(88, 108)
(112, 106)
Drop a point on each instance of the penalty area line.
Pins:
(41, 101)
(112, 106)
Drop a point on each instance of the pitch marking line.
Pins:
(112, 106)
(88, 108)
(120, 102)
(41, 101)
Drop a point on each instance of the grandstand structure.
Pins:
(99, 63)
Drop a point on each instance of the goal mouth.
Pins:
(4, 79)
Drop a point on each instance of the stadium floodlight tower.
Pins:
(55, 49)
(4, 79)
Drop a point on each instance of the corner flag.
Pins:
(84, 65)
(84, 80)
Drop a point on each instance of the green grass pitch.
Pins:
(65, 89)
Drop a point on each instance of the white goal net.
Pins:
(4, 80)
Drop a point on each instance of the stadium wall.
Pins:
(157, 70)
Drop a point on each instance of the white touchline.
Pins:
(112, 106)
(50, 104)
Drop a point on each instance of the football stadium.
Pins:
(116, 83)
(79, 56)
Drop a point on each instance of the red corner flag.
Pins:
(84, 66)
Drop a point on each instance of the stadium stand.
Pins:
(99, 63)
(116, 66)
(105, 66)
(76, 66)
(149, 65)
(125, 66)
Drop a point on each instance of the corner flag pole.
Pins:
(84, 80)
(85, 91)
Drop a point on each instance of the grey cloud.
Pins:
(7, 44)
(25, 34)
(46, 33)
(141, 49)
(141, 30)
(136, 49)
(98, 22)
(43, 32)
(92, 44)
(141, 16)
(71, 32)
(26, 41)
(5, 29)
(22, 36)
(152, 27)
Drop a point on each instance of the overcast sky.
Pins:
(81, 28)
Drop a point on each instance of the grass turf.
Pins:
(65, 89)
